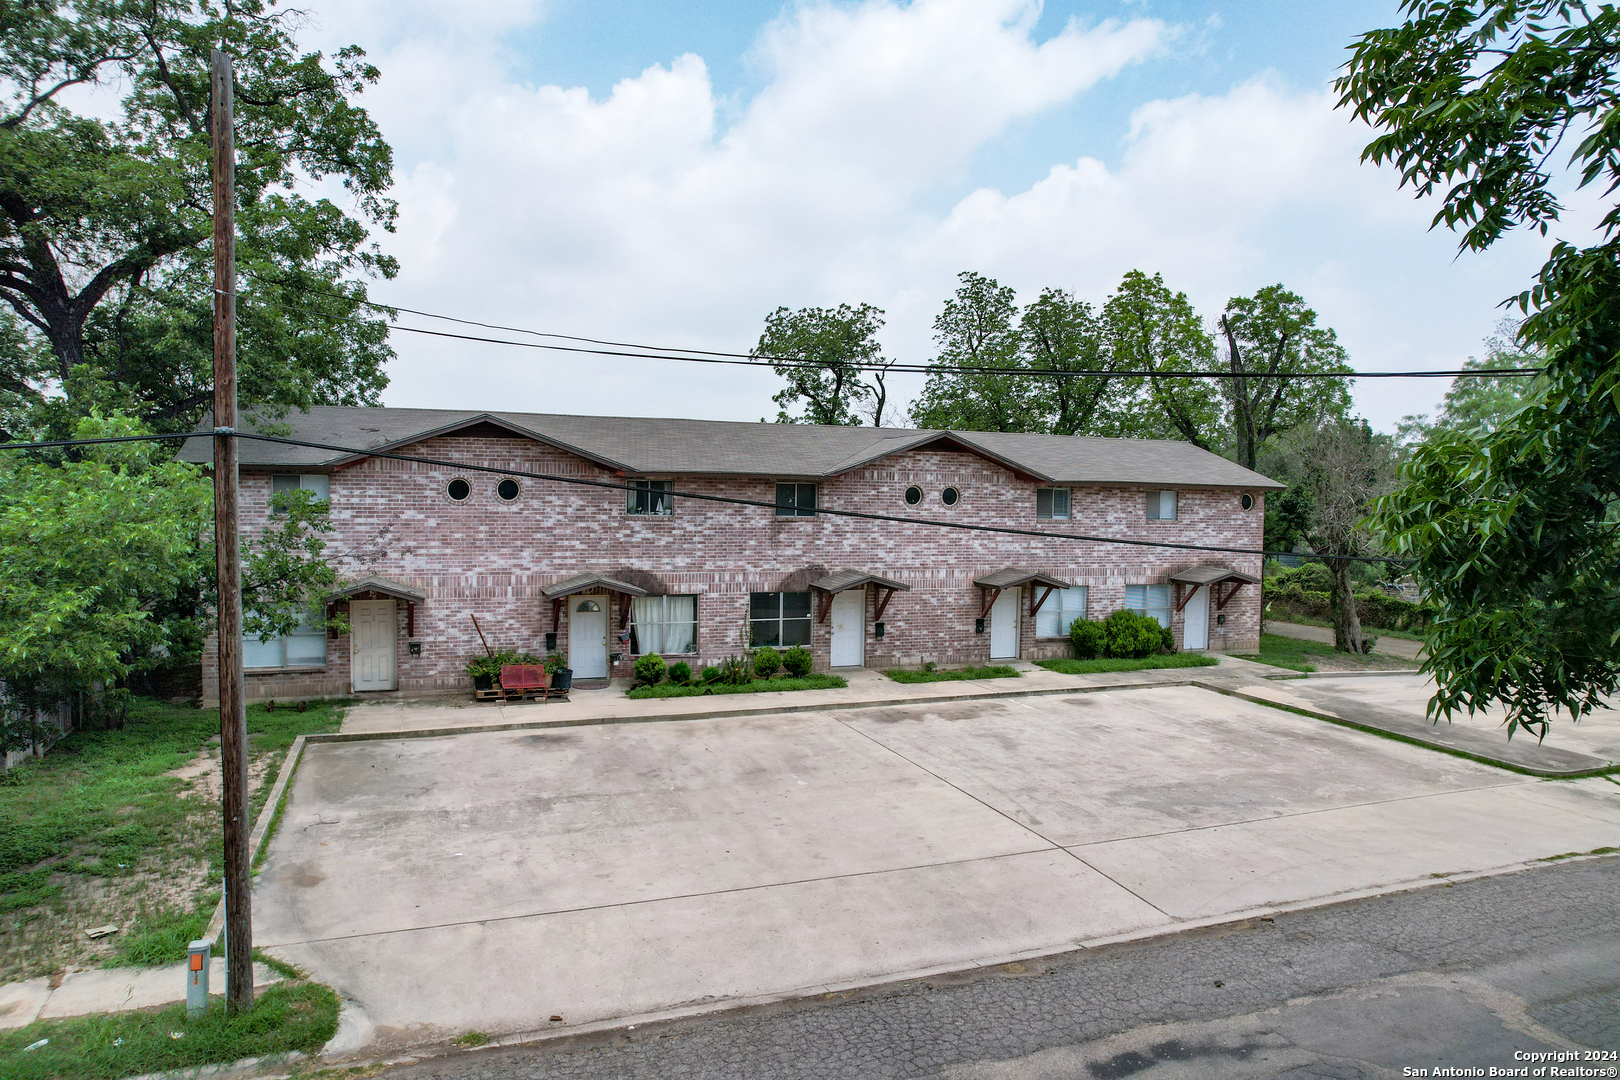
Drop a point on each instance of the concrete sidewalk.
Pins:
(103, 990)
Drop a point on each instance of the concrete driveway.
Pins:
(514, 882)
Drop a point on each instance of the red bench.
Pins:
(521, 680)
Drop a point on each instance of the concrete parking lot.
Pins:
(513, 882)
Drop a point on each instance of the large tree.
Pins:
(1483, 402)
(105, 220)
(1151, 328)
(1060, 332)
(978, 329)
(1512, 529)
(831, 360)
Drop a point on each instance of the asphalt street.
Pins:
(1463, 975)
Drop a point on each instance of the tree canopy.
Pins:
(823, 354)
(105, 221)
(1489, 104)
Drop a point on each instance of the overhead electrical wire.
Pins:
(725, 499)
(630, 350)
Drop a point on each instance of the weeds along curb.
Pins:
(265, 827)
(1412, 740)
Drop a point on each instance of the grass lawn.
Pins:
(288, 1016)
(1071, 666)
(1373, 631)
(1302, 655)
(124, 827)
(996, 671)
(758, 686)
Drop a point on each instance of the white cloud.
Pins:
(636, 216)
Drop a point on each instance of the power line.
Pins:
(710, 356)
(726, 499)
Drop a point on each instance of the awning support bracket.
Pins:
(1221, 601)
(989, 602)
(883, 602)
(1036, 606)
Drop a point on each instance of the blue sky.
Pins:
(672, 173)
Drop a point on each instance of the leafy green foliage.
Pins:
(993, 671)
(1069, 666)
(977, 330)
(767, 662)
(1512, 529)
(163, 940)
(680, 673)
(736, 671)
(1088, 637)
(1130, 635)
(798, 661)
(815, 350)
(105, 1046)
(710, 675)
(1482, 403)
(105, 221)
(649, 669)
(749, 686)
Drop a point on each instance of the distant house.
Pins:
(605, 574)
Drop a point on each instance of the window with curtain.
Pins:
(1061, 609)
(304, 647)
(1052, 504)
(666, 625)
(776, 618)
(1161, 506)
(1151, 600)
(650, 497)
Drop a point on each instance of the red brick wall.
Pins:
(490, 558)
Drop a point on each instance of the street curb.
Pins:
(715, 714)
(261, 827)
(1414, 740)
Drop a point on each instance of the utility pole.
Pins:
(228, 554)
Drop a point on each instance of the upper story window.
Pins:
(795, 500)
(1052, 504)
(1151, 600)
(1161, 506)
(650, 497)
(778, 618)
(1059, 612)
(317, 484)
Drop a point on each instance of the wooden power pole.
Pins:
(228, 553)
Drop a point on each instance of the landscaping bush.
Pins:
(767, 662)
(710, 674)
(1167, 639)
(680, 673)
(1088, 638)
(736, 671)
(649, 669)
(798, 661)
(1130, 635)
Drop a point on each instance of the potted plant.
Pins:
(562, 676)
(484, 671)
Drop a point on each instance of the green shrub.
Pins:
(710, 675)
(491, 665)
(649, 669)
(1167, 639)
(1129, 635)
(555, 661)
(680, 673)
(767, 662)
(1088, 638)
(736, 671)
(798, 661)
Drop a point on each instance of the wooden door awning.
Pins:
(844, 580)
(558, 591)
(1215, 577)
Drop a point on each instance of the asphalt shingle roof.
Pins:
(663, 446)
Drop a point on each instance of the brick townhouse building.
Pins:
(607, 573)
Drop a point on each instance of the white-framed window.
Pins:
(1151, 600)
(1052, 504)
(666, 625)
(650, 497)
(1161, 506)
(778, 618)
(304, 647)
(795, 500)
(1059, 612)
(318, 484)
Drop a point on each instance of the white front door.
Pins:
(1195, 631)
(849, 628)
(587, 636)
(374, 645)
(1004, 625)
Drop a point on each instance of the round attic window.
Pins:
(458, 489)
(950, 496)
(507, 489)
(1247, 501)
(913, 495)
